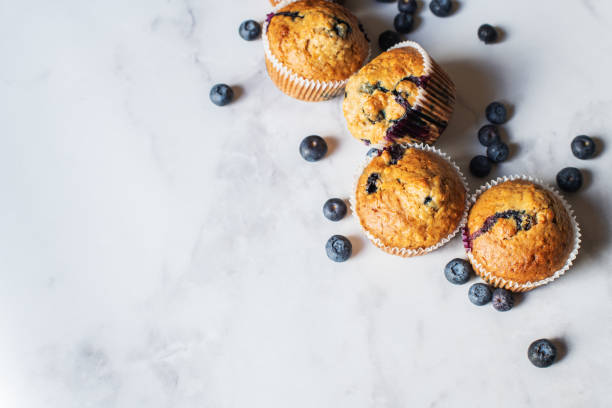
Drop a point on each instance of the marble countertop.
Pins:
(159, 251)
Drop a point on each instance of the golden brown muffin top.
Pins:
(317, 39)
(409, 198)
(519, 231)
(371, 104)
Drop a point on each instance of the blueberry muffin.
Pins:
(313, 47)
(518, 234)
(400, 96)
(409, 200)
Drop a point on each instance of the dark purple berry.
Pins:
(583, 147)
(249, 30)
(498, 152)
(403, 22)
(542, 353)
(569, 179)
(441, 8)
(502, 300)
(221, 94)
(338, 248)
(479, 294)
(496, 113)
(487, 33)
(313, 148)
(458, 271)
(488, 135)
(480, 166)
(388, 39)
(334, 209)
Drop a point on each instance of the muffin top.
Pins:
(409, 198)
(317, 39)
(519, 231)
(379, 104)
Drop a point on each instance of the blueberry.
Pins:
(583, 147)
(403, 22)
(498, 152)
(479, 294)
(488, 134)
(373, 152)
(313, 148)
(221, 94)
(338, 248)
(407, 6)
(249, 30)
(569, 179)
(502, 300)
(334, 209)
(487, 33)
(480, 166)
(458, 271)
(542, 353)
(388, 39)
(441, 8)
(496, 113)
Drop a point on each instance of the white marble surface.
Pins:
(158, 251)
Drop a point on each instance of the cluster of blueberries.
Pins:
(338, 248)
(459, 271)
(488, 136)
(404, 22)
(542, 352)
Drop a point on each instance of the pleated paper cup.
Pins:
(292, 84)
(498, 281)
(410, 252)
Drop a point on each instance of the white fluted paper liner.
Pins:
(407, 252)
(500, 282)
(293, 84)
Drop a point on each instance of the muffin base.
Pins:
(498, 281)
(408, 252)
(292, 84)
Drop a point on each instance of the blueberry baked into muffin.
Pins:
(518, 234)
(400, 96)
(313, 47)
(409, 199)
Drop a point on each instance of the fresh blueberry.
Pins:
(334, 209)
(407, 6)
(583, 147)
(480, 166)
(403, 22)
(338, 248)
(373, 152)
(569, 179)
(313, 148)
(388, 39)
(487, 33)
(502, 300)
(221, 94)
(249, 30)
(458, 271)
(488, 135)
(479, 294)
(542, 353)
(441, 8)
(496, 113)
(498, 152)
